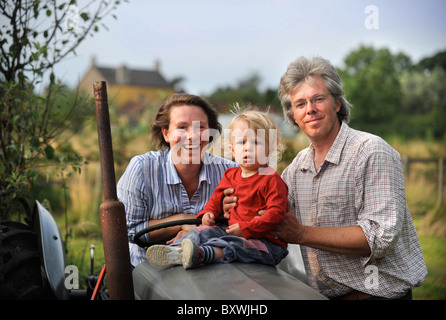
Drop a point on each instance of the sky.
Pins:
(217, 43)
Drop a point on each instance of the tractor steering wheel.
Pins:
(145, 244)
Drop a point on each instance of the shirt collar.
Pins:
(333, 155)
(308, 159)
(173, 178)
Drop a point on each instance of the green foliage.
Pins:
(34, 37)
(430, 63)
(423, 109)
(391, 96)
(370, 80)
(31, 127)
(245, 92)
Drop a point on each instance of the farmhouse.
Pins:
(129, 90)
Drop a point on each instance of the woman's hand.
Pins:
(167, 233)
(185, 228)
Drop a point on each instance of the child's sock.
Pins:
(194, 255)
(208, 254)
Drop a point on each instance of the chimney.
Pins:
(93, 61)
(157, 65)
(122, 75)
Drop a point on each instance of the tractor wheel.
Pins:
(20, 269)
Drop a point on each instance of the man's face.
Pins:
(315, 110)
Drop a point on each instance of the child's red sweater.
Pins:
(258, 192)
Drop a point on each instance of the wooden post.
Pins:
(440, 182)
(406, 165)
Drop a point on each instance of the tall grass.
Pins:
(434, 251)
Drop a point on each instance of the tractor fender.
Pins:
(226, 281)
(51, 250)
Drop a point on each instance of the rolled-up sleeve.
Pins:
(381, 201)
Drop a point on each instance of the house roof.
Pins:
(145, 78)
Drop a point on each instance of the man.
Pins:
(347, 195)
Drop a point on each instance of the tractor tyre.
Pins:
(21, 274)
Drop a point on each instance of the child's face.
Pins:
(248, 146)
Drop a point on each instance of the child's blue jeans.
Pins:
(236, 248)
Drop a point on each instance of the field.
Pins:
(434, 250)
(81, 226)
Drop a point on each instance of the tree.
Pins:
(34, 37)
(245, 92)
(371, 82)
(437, 60)
(423, 109)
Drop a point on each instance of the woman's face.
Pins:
(188, 134)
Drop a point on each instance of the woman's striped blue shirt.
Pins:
(150, 188)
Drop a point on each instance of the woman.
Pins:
(175, 182)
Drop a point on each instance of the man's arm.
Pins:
(344, 240)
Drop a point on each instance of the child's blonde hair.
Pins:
(259, 120)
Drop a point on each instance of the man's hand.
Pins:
(289, 229)
(234, 230)
(344, 240)
(228, 202)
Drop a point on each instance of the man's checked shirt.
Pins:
(361, 182)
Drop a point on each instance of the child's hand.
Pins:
(208, 219)
(234, 230)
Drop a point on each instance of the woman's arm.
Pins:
(170, 232)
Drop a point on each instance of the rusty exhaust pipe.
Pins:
(112, 211)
